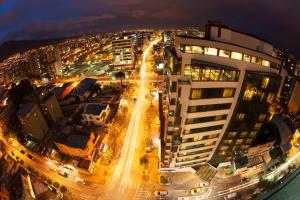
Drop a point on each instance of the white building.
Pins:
(123, 50)
(219, 89)
(95, 113)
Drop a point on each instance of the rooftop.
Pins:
(74, 140)
(94, 109)
(83, 86)
(25, 109)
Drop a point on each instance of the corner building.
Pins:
(218, 93)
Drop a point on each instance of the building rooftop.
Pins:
(25, 109)
(74, 140)
(94, 109)
(83, 86)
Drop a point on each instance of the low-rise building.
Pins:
(95, 113)
(77, 144)
(33, 121)
(83, 89)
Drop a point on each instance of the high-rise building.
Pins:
(45, 62)
(49, 105)
(33, 121)
(219, 89)
(13, 71)
(123, 46)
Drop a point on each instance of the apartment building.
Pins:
(218, 91)
(123, 45)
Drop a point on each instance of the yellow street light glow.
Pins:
(75, 84)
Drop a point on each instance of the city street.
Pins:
(126, 182)
(126, 177)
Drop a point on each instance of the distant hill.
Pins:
(9, 48)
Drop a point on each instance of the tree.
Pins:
(144, 160)
(49, 181)
(63, 189)
(56, 184)
(120, 75)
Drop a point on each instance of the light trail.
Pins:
(123, 173)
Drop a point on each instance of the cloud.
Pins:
(274, 20)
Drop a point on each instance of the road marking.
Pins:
(141, 194)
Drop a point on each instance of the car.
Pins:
(53, 168)
(197, 191)
(79, 180)
(62, 173)
(22, 151)
(161, 193)
(69, 167)
(230, 196)
(30, 157)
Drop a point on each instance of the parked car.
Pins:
(22, 151)
(30, 157)
(197, 191)
(53, 168)
(230, 196)
(62, 173)
(161, 193)
(69, 167)
(79, 180)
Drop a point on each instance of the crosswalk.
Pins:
(141, 194)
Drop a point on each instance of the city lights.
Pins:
(94, 108)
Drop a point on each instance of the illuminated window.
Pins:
(236, 55)
(270, 97)
(240, 116)
(195, 73)
(248, 141)
(262, 117)
(265, 82)
(224, 148)
(187, 70)
(257, 126)
(256, 60)
(249, 93)
(246, 58)
(210, 51)
(197, 49)
(227, 141)
(266, 63)
(187, 49)
(228, 92)
(232, 134)
(243, 134)
(196, 94)
(253, 133)
(239, 141)
(224, 53)
(213, 136)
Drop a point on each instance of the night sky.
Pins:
(275, 20)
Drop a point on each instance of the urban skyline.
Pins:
(272, 20)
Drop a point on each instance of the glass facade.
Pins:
(202, 72)
(205, 119)
(207, 93)
(204, 108)
(204, 129)
(251, 110)
(227, 54)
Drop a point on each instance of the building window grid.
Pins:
(225, 53)
(211, 107)
(199, 72)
